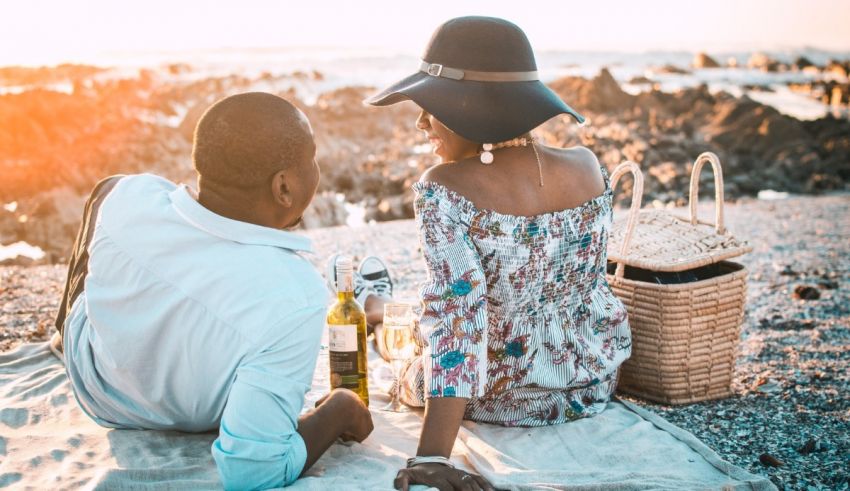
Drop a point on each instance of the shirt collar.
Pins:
(234, 230)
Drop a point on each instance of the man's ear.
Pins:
(282, 188)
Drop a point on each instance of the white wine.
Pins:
(398, 341)
(347, 336)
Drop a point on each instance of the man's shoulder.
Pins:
(147, 180)
(134, 187)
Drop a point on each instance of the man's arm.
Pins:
(262, 441)
(340, 414)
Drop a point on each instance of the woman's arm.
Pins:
(454, 327)
(443, 416)
(439, 428)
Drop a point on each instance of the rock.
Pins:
(763, 62)
(810, 446)
(9, 226)
(178, 68)
(190, 120)
(602, 94)
(770, 461)
(837, 68)
(769, 387)
(326, 210)
(802, 63)
(18, 261)
(702, 60)
(806, 292)
(828, 284)
(639, 80)
(393, 208)
(52, 222)
(789, 324)
(757, 88)
(671, 69)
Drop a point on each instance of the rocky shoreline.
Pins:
(57, 144)
(790, 415)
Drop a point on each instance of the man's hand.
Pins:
(351, 409)
(441, 477)
(339, 414)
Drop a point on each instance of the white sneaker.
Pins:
(375, 273)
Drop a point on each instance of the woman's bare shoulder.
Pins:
(581, 165)
(440, 174)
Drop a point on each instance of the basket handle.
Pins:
(711, 158)
(637, 198)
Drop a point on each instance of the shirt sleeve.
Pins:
(258, 446)
(454, 316)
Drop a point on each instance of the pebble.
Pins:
(806, 292)
(770, 461)
(811, 446)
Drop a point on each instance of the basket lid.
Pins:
(663, 241)
(660, 240)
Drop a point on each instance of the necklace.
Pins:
(487, 158)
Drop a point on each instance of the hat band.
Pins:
(437, 70)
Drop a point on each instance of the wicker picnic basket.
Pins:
(685, 335)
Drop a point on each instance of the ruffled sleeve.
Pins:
(454, 316)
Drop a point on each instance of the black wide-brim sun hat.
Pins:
(479, 78)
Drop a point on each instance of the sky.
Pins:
(46, 32)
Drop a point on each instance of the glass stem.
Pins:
(396, 364)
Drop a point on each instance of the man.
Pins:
(187, 311)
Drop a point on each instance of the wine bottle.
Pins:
(347, 335)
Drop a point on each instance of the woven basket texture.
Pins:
(685, 336)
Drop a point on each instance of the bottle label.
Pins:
(342, 337)
(342, 345)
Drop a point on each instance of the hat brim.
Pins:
(483, 112)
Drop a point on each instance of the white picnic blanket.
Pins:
(47, 442)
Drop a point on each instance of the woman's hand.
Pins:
(442, 477)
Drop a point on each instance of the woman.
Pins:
(519, 325)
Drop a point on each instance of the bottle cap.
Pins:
(344, 274)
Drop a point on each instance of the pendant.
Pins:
(487, 155)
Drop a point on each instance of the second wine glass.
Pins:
(396, 340)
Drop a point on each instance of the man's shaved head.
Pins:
(241, 141)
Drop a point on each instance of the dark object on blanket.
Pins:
(770, 461)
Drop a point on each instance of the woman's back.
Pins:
(528, 273)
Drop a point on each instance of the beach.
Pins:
(791, 402)
(778, 122)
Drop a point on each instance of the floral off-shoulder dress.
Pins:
(517, 313)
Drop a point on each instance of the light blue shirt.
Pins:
(191, 321)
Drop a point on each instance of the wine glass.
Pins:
(396, 341)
